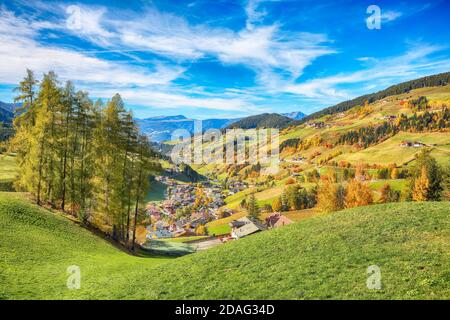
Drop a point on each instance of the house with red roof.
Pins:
(276, 220)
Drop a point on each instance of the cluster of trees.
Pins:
(419, 104)
(388, 194)
(6, 116)
(333, 196)
(295, 198)
(296, 144)
(425, 121)
(367, 136)
(391, 173)
(441, 79)
(6, 132)
(83, 158)
(426, 180)
(290, 144)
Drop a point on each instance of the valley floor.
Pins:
(324, 257)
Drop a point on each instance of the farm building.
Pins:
(245, 226)
(276, 220)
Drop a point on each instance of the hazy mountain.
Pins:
(160, 128)
(6, 112)
(294, 115)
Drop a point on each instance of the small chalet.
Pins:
(409, 144)
(276, 220)
(245, 226)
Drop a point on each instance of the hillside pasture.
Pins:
(8, 168)
(390, 151)
(323, 257)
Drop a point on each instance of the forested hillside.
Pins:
(430, 81)
(6, 115)
(265, 120)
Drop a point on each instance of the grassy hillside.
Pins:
(36, 247)
(8, 168)
(321, 257)
(389, 151)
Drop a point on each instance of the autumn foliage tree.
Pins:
(357, 194)
(426, 179)
(277, 204)
(330, 196)
(388, 194)
(421, 186)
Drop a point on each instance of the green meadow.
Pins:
(323, 257)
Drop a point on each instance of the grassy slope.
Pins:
(321, 257)
(36, 247)
(8, 171)
(389, 151)
(325, 257)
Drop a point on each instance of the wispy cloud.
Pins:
(391, 15)
(253, 13)
(157, 50)
(269, 51)
(103, 78)
(414, 63)
(20, 50)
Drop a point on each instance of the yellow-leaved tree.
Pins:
(357, 194)
(421, 186)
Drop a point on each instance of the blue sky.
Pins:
(223, 58)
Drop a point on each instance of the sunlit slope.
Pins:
(8, 168)
(325, 257)
(336, 125)
(390, 151)
(37, 247)
(322, 257)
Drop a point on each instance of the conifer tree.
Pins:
(421, 186)
(253, 207)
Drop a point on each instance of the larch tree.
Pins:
(357, 194)
(71, 152)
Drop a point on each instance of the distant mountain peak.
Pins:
(296, 115)
(166, 118)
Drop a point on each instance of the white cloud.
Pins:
(414, 63)
(87, 21)
(176, 100)
(278, 58)
(254, 15)
(19, 51)
(102, 78)
(269, 51)
(171, 36)
(391, 15)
